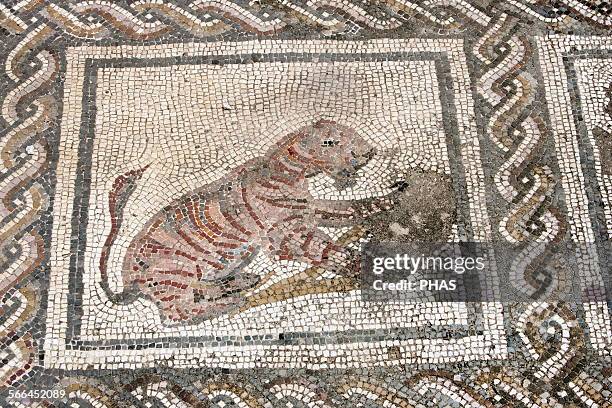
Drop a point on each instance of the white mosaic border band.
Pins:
(552, 51)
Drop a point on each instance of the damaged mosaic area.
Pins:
(186, 186)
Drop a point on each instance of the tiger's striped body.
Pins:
(189, 257)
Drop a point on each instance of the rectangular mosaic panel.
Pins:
(200, 126)
(577, 98)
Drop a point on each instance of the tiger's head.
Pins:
(335, 150)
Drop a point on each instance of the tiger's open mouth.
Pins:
(347, 177)
(366, 157)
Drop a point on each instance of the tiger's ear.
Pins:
(306, 138)
(323, 123)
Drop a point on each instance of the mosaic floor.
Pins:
(185, 186)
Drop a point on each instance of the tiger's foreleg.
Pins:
(319, 250)
(352, 211)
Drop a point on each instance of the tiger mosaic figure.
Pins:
(188, 258)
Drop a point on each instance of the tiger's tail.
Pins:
(122, 189)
